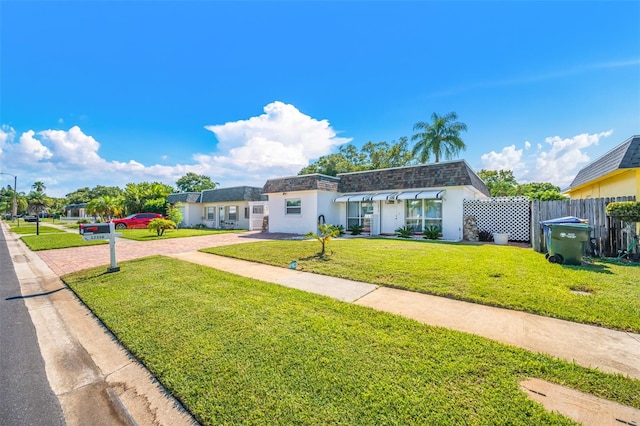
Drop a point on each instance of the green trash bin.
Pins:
(567, 242)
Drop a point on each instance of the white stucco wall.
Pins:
(313, 204)
(390, 216)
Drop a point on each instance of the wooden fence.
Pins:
(610, 235)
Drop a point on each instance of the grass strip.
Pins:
(505, 276)
(236, 350)
(25, 230)
(57, 241)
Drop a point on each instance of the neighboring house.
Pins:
(379, 200)
(615, 174)
(188, 204)
(241, 207)
(76, 210)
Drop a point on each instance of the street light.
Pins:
(15, 194)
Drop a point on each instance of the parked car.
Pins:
(30, 218)
(136, 220)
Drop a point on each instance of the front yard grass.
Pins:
(146, 235)
(30, 228)
(57, 241)
(237, 350)
(505, 276)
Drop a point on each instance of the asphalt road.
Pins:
(25, 394)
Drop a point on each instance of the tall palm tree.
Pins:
(440, 137)
(38, 187)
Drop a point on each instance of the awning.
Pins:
(420, 195)
(384, 196)
(353, 197)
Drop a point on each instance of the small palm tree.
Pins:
(440, 137)
(324, 235)
(160, 225)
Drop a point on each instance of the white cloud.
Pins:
(31, 148)
(564, 157)
(277, 143)
(507, 159)
(282, 137)
(557, 161)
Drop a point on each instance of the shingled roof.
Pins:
(311, 182)
(434, 175)
(624, 156)
(238, 193)
(184, 197)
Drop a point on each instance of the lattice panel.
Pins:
(506, 214)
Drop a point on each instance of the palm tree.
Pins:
(38, 202)
(440, 137)
(38, 187)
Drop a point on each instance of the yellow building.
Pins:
(615, 174)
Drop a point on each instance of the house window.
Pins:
(421, 214)
(232, 213)
(293, 206)
(246, 212)
(258, 209)
(359, 213)
(210, 213)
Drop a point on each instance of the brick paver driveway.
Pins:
(65, 261)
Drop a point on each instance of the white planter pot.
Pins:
(502, 239)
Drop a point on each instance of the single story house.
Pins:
(380, 201)
(76, 210)
(241, 207)
(615, 174)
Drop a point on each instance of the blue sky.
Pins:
(105, 93)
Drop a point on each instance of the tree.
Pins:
(38, 187)
(152, 195)
(37, 202)
(105, 207)
(175, 214)
(441, 138)
(543, 191)
(500, 183)
(81, 195)
(372, 156)
(192, 182)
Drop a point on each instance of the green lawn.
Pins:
(505, 276)
(236, 350)
(30, 228)
(146, 235)
(57, 241)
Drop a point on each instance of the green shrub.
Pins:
(404, 231)
(82, 221)
(432, 232)
(175, 215)
(356, 229)
(626, 211)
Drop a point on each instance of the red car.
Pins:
(137, 220)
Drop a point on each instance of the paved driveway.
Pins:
(65, 261)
